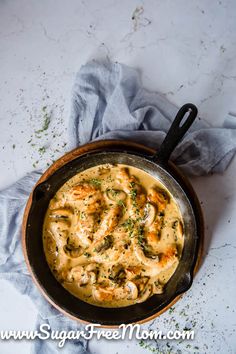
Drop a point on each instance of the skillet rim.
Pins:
(146, 152)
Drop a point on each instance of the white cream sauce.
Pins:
(113, 235)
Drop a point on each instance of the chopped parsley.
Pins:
(141, 238)
(122, 204)
(47, 120)
(129, 226)
(96, 182)
(42, 150)
(133, 194)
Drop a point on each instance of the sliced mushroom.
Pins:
(61, 213)
(93, 271)
(72, 252)
(59, 230)
(149, 252)
(62, 275)
(157, 287)
(79, 274)
(150, 214)
(145, 247)
(116, 195)
(145, 294)
(161, 262)
(177, 225)
(82, 276)
(159, 197)
(141, 283)
(105, 244)
(132, 290)
(93, 277)
(117, 274)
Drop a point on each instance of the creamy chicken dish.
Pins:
(113, 235)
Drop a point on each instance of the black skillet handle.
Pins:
(176, 132)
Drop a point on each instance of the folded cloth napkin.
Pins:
(108, 101)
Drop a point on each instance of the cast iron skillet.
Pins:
(156, 165)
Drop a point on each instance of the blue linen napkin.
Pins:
(108, 101)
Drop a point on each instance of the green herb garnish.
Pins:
(129, 226)
(96, 182)
(47, 120)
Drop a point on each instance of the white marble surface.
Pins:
(184, 49)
